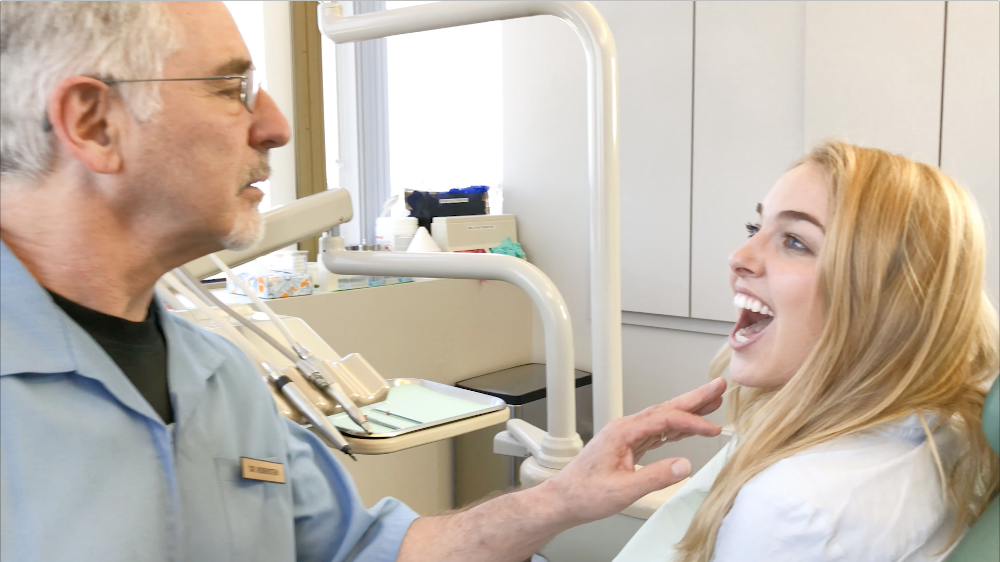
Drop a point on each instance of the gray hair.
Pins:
(42, 43)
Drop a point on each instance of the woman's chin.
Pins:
(748, 373)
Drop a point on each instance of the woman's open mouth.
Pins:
(755, 317)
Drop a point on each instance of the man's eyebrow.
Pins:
(795, 215)
(232, 67)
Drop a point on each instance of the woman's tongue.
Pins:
(756, 327)
(756, 322)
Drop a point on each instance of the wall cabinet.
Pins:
(654, 43)
(717, 100)
(748, 71)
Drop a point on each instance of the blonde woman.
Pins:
(861, 356)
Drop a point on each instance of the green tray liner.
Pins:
(412, 401)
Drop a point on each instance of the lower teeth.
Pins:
(744, 334)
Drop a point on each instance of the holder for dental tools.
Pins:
(304, 365)
(321, 424)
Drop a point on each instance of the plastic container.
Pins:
(475, 232)
(290, 261)
(393, 234)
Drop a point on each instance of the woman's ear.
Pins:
(86, 117)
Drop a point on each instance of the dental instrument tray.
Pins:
(416, 404)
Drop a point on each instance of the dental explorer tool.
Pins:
(306, 359)
(395, 415)
(327, 431)
(384, 424)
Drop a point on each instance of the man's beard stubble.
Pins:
(248, 229)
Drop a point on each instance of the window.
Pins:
(249, 18)
(422, 111)
(445, 107)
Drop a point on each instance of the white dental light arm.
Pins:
(602, 142)
(561, 442)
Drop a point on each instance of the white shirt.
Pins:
(875, 497)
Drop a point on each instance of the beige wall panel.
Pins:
(747, 130)
(873, 74)
(445, 330)
(654, 43)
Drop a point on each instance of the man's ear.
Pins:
(86, 117)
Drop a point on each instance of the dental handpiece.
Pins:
(330, 388)
(327, 431)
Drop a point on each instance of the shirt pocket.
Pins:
(258, 514)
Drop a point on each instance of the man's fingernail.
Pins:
(681, 468)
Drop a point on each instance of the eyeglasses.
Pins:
(249, 86)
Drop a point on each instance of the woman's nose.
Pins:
(745, 261)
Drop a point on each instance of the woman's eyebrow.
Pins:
(794, 215)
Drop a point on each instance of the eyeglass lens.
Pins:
(250, 87)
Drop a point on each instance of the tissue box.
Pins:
(274, 284)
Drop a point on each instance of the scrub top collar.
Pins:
(30, 316)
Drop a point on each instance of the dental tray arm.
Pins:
(561, 443)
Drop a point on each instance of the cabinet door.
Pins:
(970, 135)
(545, 153)
(873, 75)
(654, 43)
(748, 68)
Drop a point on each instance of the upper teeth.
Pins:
(746, 301)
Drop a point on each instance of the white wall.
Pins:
(970, 137)
(278, 54)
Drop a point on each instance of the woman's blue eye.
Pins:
(752, 229)
(795, 243)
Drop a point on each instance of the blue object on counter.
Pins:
(468, 190)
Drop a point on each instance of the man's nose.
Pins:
(270, 128)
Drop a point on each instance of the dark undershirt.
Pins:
(138, 348)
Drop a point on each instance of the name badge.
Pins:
(254, 469)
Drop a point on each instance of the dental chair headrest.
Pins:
(991, 416)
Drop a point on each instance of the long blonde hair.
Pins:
(908, 328)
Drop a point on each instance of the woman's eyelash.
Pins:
(792, 240)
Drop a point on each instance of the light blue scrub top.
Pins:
(88, 471)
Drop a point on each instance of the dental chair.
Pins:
(982, 542)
